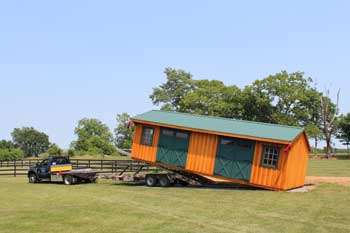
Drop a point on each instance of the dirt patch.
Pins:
(344, 181)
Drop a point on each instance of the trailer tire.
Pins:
(150, 180)
(164, 181)
(67, 180)
(32, 178)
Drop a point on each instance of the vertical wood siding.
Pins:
(201, 153)
(139, 151)
(297, 163)
(268, 177)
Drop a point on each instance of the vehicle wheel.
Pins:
(67, 179)
(151, 181)
(164, 181)
(32, 178)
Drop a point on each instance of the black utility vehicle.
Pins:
(59, 169)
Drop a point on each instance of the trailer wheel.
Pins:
(164, 181)
(32, 178)
(67, 180)
(150, 180)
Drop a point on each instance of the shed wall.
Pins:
(268, 177)
(201, 153)
(297, 163)
(139, 151)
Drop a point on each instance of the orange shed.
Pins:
(250, 153)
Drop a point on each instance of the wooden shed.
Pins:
(250, 153)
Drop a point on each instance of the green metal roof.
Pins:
(222, 125)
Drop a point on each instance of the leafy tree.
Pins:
(315, 132)
(9, 151)
(290, 96)
(93, 137)
(54, 150)
(170, 94)
(213, 98)
(31, 141)
(123, 133)
(344, 130)
(256, 105)
(4, 144)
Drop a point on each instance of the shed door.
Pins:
(234, 158)
(173, 147)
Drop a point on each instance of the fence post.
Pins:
(14, 168)
(101, 165)
(89, 164)
(77, 163)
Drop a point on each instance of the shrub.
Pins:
(54, 150)
(70, 152)
(11, 154)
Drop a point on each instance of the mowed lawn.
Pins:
(107, 207)
(329, 168)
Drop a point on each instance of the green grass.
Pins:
(329, 168)
(106, 207)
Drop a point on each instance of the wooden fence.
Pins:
(20, 167)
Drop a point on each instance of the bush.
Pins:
(70, 153)
(54, 150)
(11, 154)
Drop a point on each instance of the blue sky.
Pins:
(61, 61)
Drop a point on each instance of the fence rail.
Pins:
(20, 167)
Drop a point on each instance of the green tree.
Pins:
(314, 132)
(170, 94)
(123, 133)
(93, 137)
(291, 96)
(343, 133)
(9, 151)
(31, 141)
(213, 98)
(54, 150)
(256, 105)
(4, 144)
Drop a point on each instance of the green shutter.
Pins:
(234, 158)
(172, 147)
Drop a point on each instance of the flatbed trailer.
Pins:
(167, 177)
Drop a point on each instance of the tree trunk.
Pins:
(329, 148)
(315, 151)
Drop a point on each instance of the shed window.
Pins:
(147, 136)
(270, 156)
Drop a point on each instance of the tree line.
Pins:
(283, 98)
(93, 137)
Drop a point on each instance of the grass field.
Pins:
(329, 168)
(107, 207)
